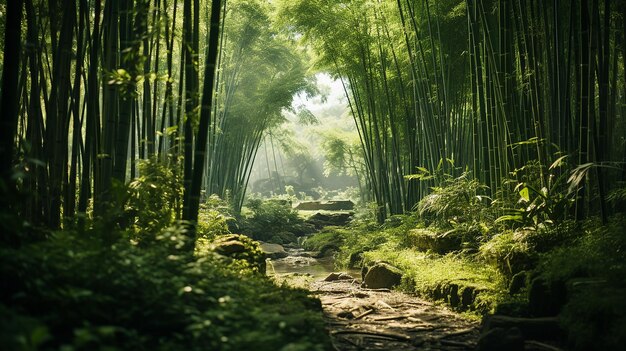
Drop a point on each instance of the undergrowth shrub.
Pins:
(430, 275)
(595, 314)
(151, 202)
(458, 200)
(76, 292)
(513, 251)
(215, 217)
(458, 211)
(327, 237)
(273, 221)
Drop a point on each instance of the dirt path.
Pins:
(366, 319)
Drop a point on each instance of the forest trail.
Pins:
(379, 319)
(375, 319)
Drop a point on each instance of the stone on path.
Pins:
(337, 276)
(273, 251)
(382, 275)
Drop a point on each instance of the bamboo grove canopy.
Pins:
(435, 87)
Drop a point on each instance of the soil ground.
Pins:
(367, 319)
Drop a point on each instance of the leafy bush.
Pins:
(458, 212)
(252, 257)
(328, 237)
(507, 251)
(215, 218)
(595, 314)
(76, 292)
(272, 220)
(151, 201)
(542, 196)
(458, 200)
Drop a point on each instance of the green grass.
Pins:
(425, 273)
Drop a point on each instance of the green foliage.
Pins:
(456, 212)
(540, 201)
(273, 220)
(458, 200)
(215, 218)
(595, 315)
(424, 274)
(75, 292)
(154, 198)
(508, 252)
(328, 237)
(512, 251)
(252, 257)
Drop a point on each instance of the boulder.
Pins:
(424, 240)
(518, 282)
(273, 251)
(355, 260)
(382, 275)
(229, 248)
(240, 247)
(320, 220)
(327, 250)
(229, 244)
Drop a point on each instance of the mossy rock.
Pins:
(427, 240)
(283, 238)
(382, 275)
(240, 247)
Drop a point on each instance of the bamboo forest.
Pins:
(311, 175)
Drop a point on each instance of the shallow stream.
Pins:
(301, 262)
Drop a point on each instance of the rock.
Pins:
(337, 276)
(382, 275)
(425, 239)
(499, 339)
(283, 238)
(228, 248)
(467, 296)
(273, 251)
(240, 247)
(453, 295)
(320, 220)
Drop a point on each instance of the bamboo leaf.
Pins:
(525, 194)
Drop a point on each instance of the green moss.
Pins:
(329, 236)
(430, 275)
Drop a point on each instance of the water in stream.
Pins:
(301, 262)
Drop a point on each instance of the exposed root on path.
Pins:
(379, 319)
